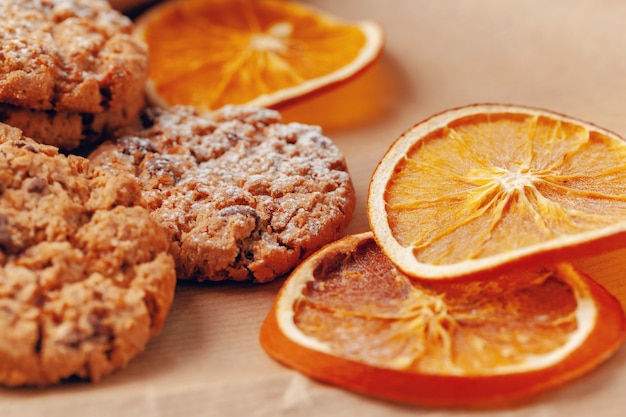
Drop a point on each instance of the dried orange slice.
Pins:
(486, 187)
(209, 53)
(347, 316)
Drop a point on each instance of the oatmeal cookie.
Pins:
(243, 196)
(69, 60)
(85, 274)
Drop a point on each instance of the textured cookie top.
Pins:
(68, 55)
(244, 196)
(85, 277)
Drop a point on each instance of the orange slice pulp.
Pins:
(210, 53)
(347, 316)
(488, 187)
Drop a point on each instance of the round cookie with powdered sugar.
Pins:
(243, 195)
(85, 274)
(71, 70)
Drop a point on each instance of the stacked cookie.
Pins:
(71, 71)
(91, 248)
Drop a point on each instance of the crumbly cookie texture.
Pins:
(69, 130)
(85, 274)
(243, 195)
(71, 70)
(68, 55)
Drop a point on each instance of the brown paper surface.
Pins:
(562, 55)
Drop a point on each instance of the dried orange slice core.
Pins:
(348, 316)
(475, 188)
(217, 52)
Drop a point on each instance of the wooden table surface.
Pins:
(563, 55)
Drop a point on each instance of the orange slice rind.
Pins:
(211, 53)
(347, 316)
(487, 187)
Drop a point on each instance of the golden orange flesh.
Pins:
(213, 53)
(367, 311)
(496, 182)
